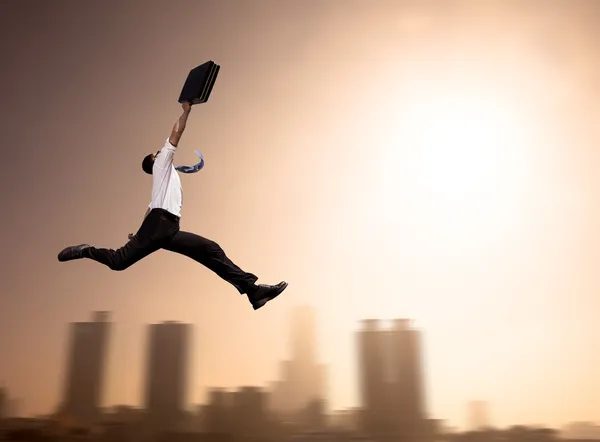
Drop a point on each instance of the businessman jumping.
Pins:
(160, 229)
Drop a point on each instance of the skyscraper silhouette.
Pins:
(374, 378)
(86, 368)
(408, 399)
(303, 380)
(391, 381)
(167, 374)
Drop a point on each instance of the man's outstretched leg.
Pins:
(212, 256)
(158, 227)
(119, 259)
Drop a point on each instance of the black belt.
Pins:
(168, 214)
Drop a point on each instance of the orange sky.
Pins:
(388, 159)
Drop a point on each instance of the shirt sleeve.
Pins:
(164, 158)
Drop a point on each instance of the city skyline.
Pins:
(433, 159)
(391, 380)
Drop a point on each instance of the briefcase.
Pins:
(199, 83)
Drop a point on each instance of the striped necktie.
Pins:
(192, 169)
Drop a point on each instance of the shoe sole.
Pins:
(263, 301)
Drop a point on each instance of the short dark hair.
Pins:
(147, 164)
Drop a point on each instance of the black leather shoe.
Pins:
(73, 252)
(264, 293)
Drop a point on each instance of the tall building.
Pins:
(302, 379)
(167, 374)
(391, 381)
(407, 381)
(478, 416)
(374, 378)
(86, 370)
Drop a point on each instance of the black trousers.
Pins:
(160, 230)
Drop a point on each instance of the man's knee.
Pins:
(118, 265)
(215, 247)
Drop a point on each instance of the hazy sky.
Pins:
(433, 160)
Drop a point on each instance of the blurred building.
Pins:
(249, 412)
(478, 416)
(216, 413)
(123, 414)
(436, 430)
(345, 420)
(3, 404)
(581, 431)
(373, 386)
(13, 409)
(314, 415)
(391, 382)
(200, 425)
(122, 423)
(302, 379)
(86, 370)
(165, 395)
(242, 413)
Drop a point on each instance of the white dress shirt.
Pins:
(167, 193)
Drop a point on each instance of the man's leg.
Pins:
(119, 259)
(158, 227)
(212, 256)
(123, 257)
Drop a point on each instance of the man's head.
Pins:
(148, 163)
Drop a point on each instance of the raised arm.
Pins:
(179, 125)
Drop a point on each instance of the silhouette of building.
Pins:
(241, 413)
(216, 413)
(581, 431)
(345, 420)
(302, 379)
(3, 404)
(373, 374)
(391, 382)
(13, 410)
(478, 416)
(407, 381)
(314, 416)
(249, 412)
(167, 374)
(86, 369)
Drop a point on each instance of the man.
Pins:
(160, 230)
